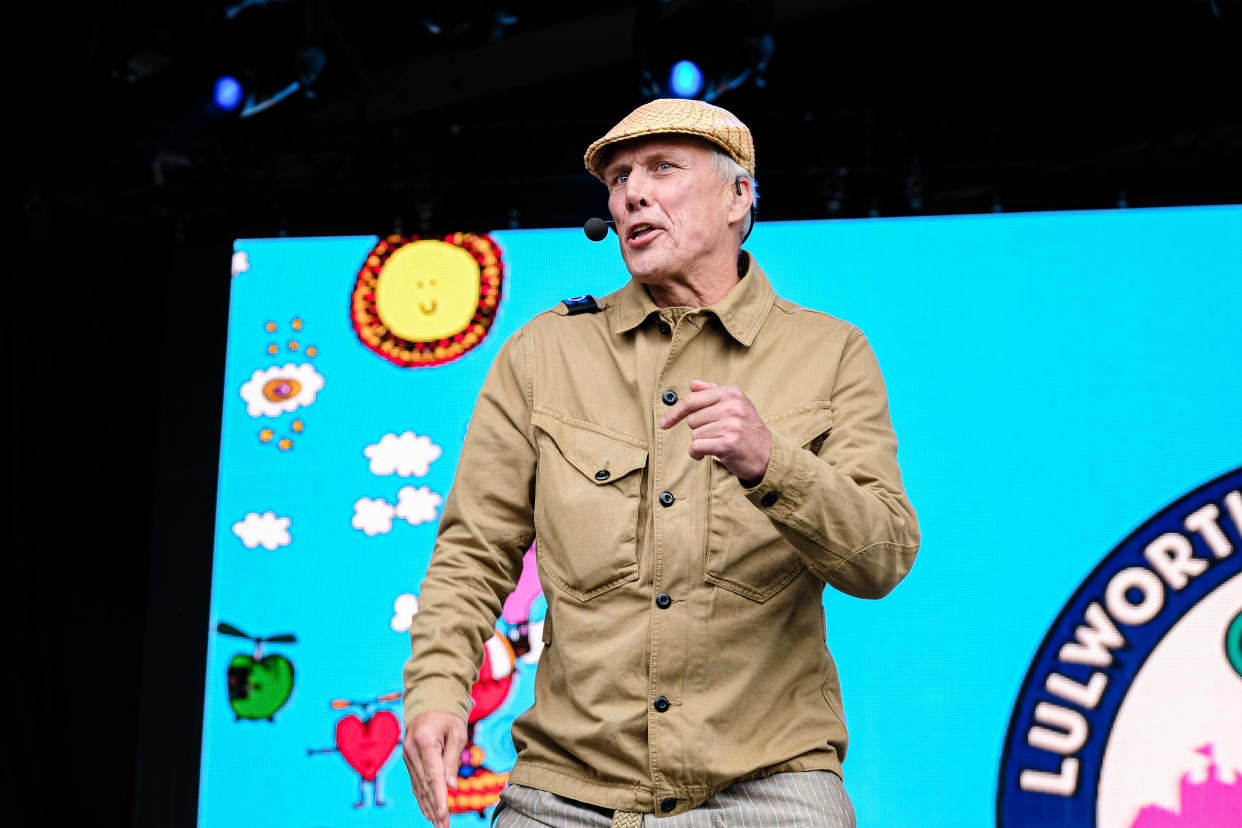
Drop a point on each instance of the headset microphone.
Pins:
(596, 229)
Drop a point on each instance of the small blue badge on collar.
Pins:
(582, 304)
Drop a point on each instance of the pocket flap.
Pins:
(593, 450)
(803, 425)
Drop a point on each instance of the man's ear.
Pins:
(742, 198)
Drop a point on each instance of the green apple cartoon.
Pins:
(259, 685)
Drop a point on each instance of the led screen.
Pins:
(1065, 389)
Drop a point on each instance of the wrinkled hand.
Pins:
(724, 423)
(432, 751)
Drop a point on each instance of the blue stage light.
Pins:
(228, 93)
(686, 79)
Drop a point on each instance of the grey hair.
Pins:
(729, 170)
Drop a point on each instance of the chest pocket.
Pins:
(588, 487)
(745, 554)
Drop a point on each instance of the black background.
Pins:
(127, 196)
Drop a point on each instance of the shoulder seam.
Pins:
(790, 307)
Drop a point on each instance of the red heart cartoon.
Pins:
(367, 745)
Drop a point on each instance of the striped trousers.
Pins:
(810, 799)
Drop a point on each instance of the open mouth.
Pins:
(639, 232)
(428, 310)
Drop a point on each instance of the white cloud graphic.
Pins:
(241, 262)
(273, 391)
(374, 517)
(264, 530)
(403, 610)
(417, 506)
(409, 455)
(414, 506)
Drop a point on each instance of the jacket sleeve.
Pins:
(486, 527)
(845, 509)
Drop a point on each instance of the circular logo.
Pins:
(1130, 715)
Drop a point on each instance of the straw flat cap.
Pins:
(681, 116)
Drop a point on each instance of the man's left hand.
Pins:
(724, 423)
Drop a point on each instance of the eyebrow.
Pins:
(672, 154)
(611, 170)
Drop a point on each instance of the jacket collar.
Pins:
(741, 311)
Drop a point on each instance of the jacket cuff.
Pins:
(787, 468)
(441, 694)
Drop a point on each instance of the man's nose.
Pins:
(636, 194)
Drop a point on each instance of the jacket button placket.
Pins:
(671, 474)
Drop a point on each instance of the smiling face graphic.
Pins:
(428, 290)
(420, 302)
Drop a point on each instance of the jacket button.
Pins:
(667, 805)
(664, 600)
(666, 498)
(665, 328)
(661, 704)
(768, 499)
(603, 474)
(669, 397)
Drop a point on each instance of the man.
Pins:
(698, 458)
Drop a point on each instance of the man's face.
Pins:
(670, 206)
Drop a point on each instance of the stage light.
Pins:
(264, 56)
(257, 86)
(228, 93)
(686, 79)
(702, 48)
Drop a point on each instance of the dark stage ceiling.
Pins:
(475, 115)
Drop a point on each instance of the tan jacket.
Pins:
(685, 629)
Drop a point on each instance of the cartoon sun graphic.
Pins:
(420, 302)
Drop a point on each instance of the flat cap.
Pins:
(681, 116)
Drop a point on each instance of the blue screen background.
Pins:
(1054, 379)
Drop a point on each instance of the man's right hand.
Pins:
(432, 751)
